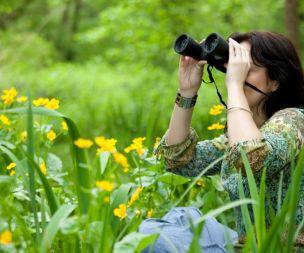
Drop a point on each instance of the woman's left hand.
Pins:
(238, 65)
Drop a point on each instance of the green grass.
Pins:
(65, 210)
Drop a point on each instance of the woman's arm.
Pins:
(240, 123)
(190, 78)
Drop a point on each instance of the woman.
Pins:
(266, 122)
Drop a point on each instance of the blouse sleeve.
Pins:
(282, 139)
(190, 157)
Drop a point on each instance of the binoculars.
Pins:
(214, 49)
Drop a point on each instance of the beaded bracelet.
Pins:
(233, 108)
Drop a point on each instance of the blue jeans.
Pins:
(175, 234)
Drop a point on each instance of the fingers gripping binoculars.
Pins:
(214, 49)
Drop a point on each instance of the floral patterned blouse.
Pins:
(282, 136)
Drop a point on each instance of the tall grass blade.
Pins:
(219, 210)
(294, 199)
(254, 194)
(280, 191)
(53, 203)
(261, 226)
(246, 218)
(197, 178)
(31, 171)
(52, 228)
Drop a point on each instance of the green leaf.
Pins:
(103, 160)
(173, 179)
(52, 228)
(48, 189)
(217, 182)
(6, 185)
(20, 166)
(54, 163)
(134, 243)
(120, 196)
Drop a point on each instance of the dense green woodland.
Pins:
(111, 63)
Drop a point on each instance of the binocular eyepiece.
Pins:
(215, 49)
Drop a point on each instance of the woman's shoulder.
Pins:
(289, 112)
(286, 119)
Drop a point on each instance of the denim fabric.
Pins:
(176, 235)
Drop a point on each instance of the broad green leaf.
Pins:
(52, 228)
(54, 163)
(103, 160)
(120, 196)
(134, 243)
(173, 179)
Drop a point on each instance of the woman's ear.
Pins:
(273, 85)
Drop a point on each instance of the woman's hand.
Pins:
(190, 75)
(238, 65)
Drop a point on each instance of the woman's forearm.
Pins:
(241, 125)
(179, 126)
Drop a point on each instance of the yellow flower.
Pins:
(12, 173)
(121, 211)
(43, 168)
(157, 141)
(106, 199)
(105, 144)
(8, 96)
(216, 110)
(51, 135)
(64, 126)
(122, 160)
(6, 237)
(23, 135)
(52, 104)
(200, 183)
(137, 144)
(21, 99)
(149, 213)
(137, 212)
(4, 120)
(135, 196)
(11, 166)
(83, 143)
(105, 185)
(40, 101)
(216, 126)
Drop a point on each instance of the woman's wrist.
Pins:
(235, 89)
(188, 93)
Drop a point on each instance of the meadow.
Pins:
(97, 203)
(87, 89)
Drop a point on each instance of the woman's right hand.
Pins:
(190, 75)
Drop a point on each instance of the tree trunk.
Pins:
(292, 22)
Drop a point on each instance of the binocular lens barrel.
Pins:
(185, 45)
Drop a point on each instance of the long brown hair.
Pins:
(278, 55)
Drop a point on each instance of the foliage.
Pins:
(97, 204)
(111, 65)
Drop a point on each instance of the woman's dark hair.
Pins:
(277, 54)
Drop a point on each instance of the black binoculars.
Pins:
(214, 49)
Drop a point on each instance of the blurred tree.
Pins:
(10, 11)
(292, 22)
